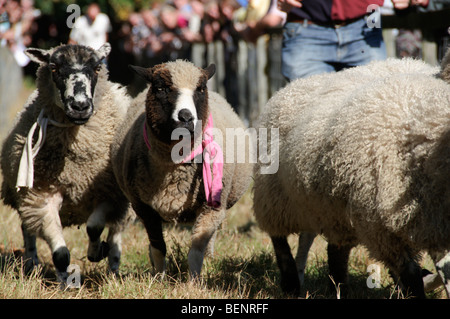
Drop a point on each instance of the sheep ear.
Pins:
(38, 55)
(142, 72)
(104, 51)
(210, 70)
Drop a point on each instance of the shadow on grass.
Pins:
(258, 276)
(254, 277)
(12, 264)
(318, 285)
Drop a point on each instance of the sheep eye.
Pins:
(53, 67)
(98, 68)
(163, 90)
(201, 87)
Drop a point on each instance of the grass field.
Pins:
(243, 266)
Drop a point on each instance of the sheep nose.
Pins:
(185, 116)
(80, 106)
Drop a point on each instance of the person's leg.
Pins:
(307, 50)
(360, 44)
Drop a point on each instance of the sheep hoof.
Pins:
(101, 253)
(411, 279)
(62, 278)
(113, 265)
(159, 276)
(290, 287)
(290, 282)
(30, 264)
(61, 259)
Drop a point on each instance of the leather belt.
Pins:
(332, 24)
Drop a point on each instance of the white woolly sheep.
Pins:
(364, 159)
(62, 175)
(161, 187)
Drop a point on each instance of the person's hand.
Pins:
(422, 3)
(400, 4)
(403, 4)
(287, 5)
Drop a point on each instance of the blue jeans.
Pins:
(312, 49)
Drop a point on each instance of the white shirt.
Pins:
(93, 35)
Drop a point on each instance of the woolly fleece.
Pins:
(364, 158)
(73, 161)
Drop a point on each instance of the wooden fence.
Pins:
(248, 74)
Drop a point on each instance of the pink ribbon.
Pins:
(212, 176)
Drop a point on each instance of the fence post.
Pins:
(429, 48)
(242, 80)
(261, 74)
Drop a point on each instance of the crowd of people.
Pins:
(167, 31)
(163, 31)
(17, 27)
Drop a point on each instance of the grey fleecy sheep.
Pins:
(55, 160)
(363, 160)
(150, 165)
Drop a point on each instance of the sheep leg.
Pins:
(401, 261)
(338, 265)
(430, 281)
(204, 230)
(443, 269)
(157, 247)
(290, 282)
(305, 240)
(409, 276)
(442, 264)
(52, 232)
(95, 224)
(411, 280)
(114, 242)
(30, 257)
(210, 248)
(60, 253)
(40, 215)
(153, 225)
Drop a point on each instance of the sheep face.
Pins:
(177, 97)
(74, 70)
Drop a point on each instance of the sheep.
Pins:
(165, 182)
(55, 160)
(363, 160)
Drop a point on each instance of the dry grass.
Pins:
(243, 266)
(234, 271)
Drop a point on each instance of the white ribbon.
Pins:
(25, 175)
